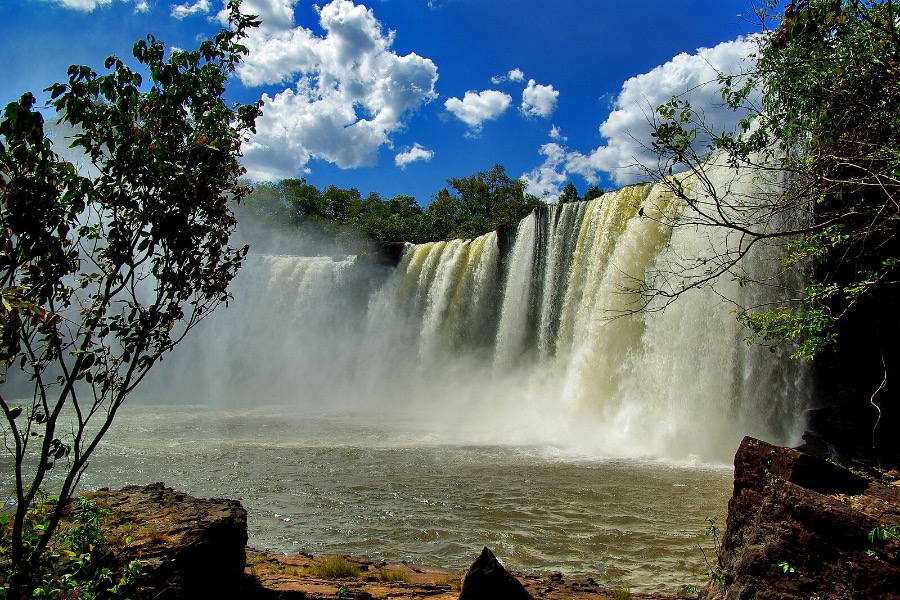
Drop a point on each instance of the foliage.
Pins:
(620, 594)
(87, 535)
(717, 573)
(881, 535)
(481, 203)
(569, 193)
(785, 567)
(487, 200)
(398, 219)
(820, 119)
(335, 567)
(593, 192)
(455, 583)
(74, 564)
(100, 276)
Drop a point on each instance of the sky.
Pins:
(397, 96)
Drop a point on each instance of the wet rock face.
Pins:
(487, 579)
(189, 547)
(798, 528)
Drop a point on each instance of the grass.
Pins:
(455, 583)
(336, 567)
(157, 537)
(621, 594)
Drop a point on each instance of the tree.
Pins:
(593, 192)
(303, 200)
(828, 128)
(821, 134)
(440, 216)
(484, 202)
(399, 219)
(266, 203)
(338, 202)
(488, 200)
(102, 276)
(569, 193)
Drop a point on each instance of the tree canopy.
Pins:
(100, 276)
(469, 207)
(828, 126)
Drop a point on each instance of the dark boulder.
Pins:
(189, 547)
(798, 528)
(487, 579)
(388, 253)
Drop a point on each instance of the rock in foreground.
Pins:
(487, 579)
(189, 547)
(798, 528)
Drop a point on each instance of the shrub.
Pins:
(336, 567)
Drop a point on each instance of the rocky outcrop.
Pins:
(388, 253)
(189, 547)
(798, 528)
(487, 579)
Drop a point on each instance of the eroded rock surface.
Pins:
(798, 528)
(189, 547)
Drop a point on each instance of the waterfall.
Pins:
(543, 345)
(518, 303)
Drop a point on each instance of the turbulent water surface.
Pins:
(335, 484)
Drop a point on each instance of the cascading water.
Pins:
(542, 344)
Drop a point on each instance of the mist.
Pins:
(539, 345)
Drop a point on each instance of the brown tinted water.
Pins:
(396, 490)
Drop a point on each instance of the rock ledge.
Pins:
(798, 528)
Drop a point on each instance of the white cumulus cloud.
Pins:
(274, 14)
(547, 180)
(416, 153)
(513, 75)
(627, 129)
(477, 107)
(516, 75)
(349, 90)
(556, 134)
(90, 5)
(180, 11)
(539, 100)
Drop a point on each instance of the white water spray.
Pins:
(543, 345)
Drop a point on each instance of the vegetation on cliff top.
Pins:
(467, 208)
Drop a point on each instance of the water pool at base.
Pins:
(394, 490)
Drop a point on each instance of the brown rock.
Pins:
(798, 528)
(189, 547)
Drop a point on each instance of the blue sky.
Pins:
(395, 96)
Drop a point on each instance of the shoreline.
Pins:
(294, 576)
(798, 527)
